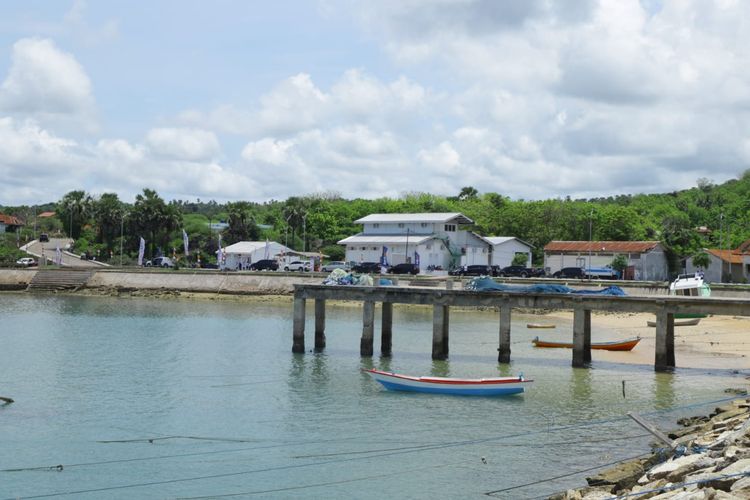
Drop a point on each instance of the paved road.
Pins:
(48, 250)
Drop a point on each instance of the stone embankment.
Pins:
(712, 463)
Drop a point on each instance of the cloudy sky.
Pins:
(239, 100)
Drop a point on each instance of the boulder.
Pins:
(685, 462)
(624, 476)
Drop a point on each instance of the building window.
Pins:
(474, 250)
(424, 224)
(376, 225)
(450, 228)
(364, 248)
(429, 247)
(374, 248)
(484, 250)
(401, 224)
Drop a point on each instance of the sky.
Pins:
(253, 100)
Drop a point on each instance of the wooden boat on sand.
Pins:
(539, 325)
(458, 386)
(684, 322)
(617, 345)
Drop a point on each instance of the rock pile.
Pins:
(711, 463)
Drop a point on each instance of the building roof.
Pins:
(601, 246)
(243, 247)
(10, 220)
(385, 239)
(728, 256)
(44, 215)
(442, 217)
(499, 240)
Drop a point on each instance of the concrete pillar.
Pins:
(440, 317)
(446, 329)
(320, 324)
(449, 284)
(664, 359)
(298, 333)
(503, 350)
(581, 337)
(368, 329)
(386, 329)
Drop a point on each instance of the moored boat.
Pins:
(539, 325)
(616, 345)
(497, 386)
(684, 322)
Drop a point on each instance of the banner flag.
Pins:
(220, 255)
(416, 258)
(267, 254)
(185, 242)
(58, 256)
(141, 251)
(384, 257)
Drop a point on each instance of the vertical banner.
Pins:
(220, 255)
(416, 258)
(58, 256)
(384, 257)
(141, 251)
(185, 242)
(267, 254)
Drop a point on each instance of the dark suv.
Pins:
(264, 265)
(367, 267)
(521, 271)
(474, 270)
(404, 268)
(570, 272)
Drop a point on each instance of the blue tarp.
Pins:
(485, 284)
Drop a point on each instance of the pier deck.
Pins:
(664, 307)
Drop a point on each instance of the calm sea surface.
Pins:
(198, 399)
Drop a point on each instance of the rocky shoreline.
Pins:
(712, 462)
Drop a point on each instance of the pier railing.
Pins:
(663, 307)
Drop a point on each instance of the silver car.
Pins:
(335, 264)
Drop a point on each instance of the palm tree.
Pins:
(74, 210)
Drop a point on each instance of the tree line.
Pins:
(706, 216)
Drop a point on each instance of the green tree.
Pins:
(108, 212)
(701, 260)
(619, 263)
(242, 226)
(152, 216)
(74, 210)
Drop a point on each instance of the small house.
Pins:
(9, 223)
(646, 260)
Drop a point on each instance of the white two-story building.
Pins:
(432, 239)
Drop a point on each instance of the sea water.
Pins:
(137, 398)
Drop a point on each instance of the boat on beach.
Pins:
(616, 345)
(498, 386)
(684, 322)
(539, 325)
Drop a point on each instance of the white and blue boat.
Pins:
(499, 386)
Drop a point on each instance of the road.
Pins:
(48, 249)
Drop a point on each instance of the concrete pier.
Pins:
(442, 300)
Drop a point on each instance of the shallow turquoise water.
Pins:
(232, 413)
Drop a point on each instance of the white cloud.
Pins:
(183, 143)
(43, 80)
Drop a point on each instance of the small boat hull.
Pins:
(539, 325)
(619, 345)
(455, 386)
(685, 322)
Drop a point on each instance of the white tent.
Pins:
(240, 255)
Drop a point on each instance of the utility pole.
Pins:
(304, 232)
(591, 218)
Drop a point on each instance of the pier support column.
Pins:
(368, 329)
(664, 359)
(581, 337)
(503, 350)
(386, 329)
(440, 320)
(320, 324)
(298, 332)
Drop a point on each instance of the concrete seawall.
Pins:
(251, 283)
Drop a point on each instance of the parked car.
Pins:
(44, 237)
(520, 271)
(160, 262)
(297, 265)
(473, 270)
(367, 267)
(404, 268)
(264, 265)
(26, 262)
(570, 272)
(335, 264)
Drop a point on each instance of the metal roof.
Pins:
(442, 217)
(243, 247)
(385, 239)
(601, 246)
(499, 240)
(728, 256)
(10, 220)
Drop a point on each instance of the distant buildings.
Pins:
(9, 223)
(726, 266)
(430, 239)
(646, 259)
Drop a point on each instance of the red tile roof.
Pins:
(10, 220)
(729, 256)
(46, 214)
(601, 246)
